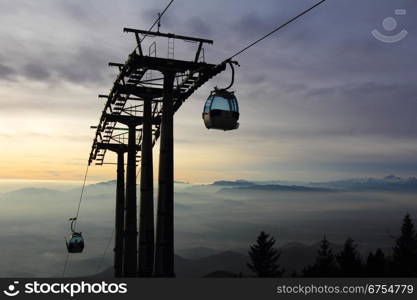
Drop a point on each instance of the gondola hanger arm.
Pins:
(231, 63)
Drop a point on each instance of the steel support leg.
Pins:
(164, 255)
(130, 245)
(146, 221)
(120, 213)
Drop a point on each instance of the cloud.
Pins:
(36, 72)
(6, 72)
(322, 77)
(54, 173)
(199, 27)
(85, 66)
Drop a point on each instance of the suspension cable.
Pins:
(65, 265)
(276, 29)
(229, 60)
(157, 21)
(81, 196)
(75, 219)
(100, 263)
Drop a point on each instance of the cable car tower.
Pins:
(138, 110)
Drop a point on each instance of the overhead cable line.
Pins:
(76, 216)
(65, 265)
(265, 36)
(276, 29)
(81, 196)
(100, 263)
(157, 21)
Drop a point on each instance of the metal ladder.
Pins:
(171, 46)
(151, 52)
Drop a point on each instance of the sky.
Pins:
(321, 99)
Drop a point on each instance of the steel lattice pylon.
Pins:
(138, 110)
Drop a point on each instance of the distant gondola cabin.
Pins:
(75, 243)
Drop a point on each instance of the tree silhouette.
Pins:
(405, 250)
(349, 260)
(376, 264)
(264, 257)
(325, 264)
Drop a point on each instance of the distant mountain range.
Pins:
(238, 182)
(295, 256)
(228, 261)
(196, 253)
(277, 188)
(31, 192)
(195, 264)
(388, 183)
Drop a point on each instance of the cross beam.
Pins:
(168, 35)
(115, 147)
(128, 120)
(165, 64)
(139, 91)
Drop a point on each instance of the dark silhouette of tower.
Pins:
(164, 255)
(146, 107)
(146, 221)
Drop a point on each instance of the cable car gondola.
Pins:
(221, 110)
(75, 243)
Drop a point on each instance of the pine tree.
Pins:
(405, 250)
(376, 264)
(325, 264)
(349, 260)
(264, 257)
